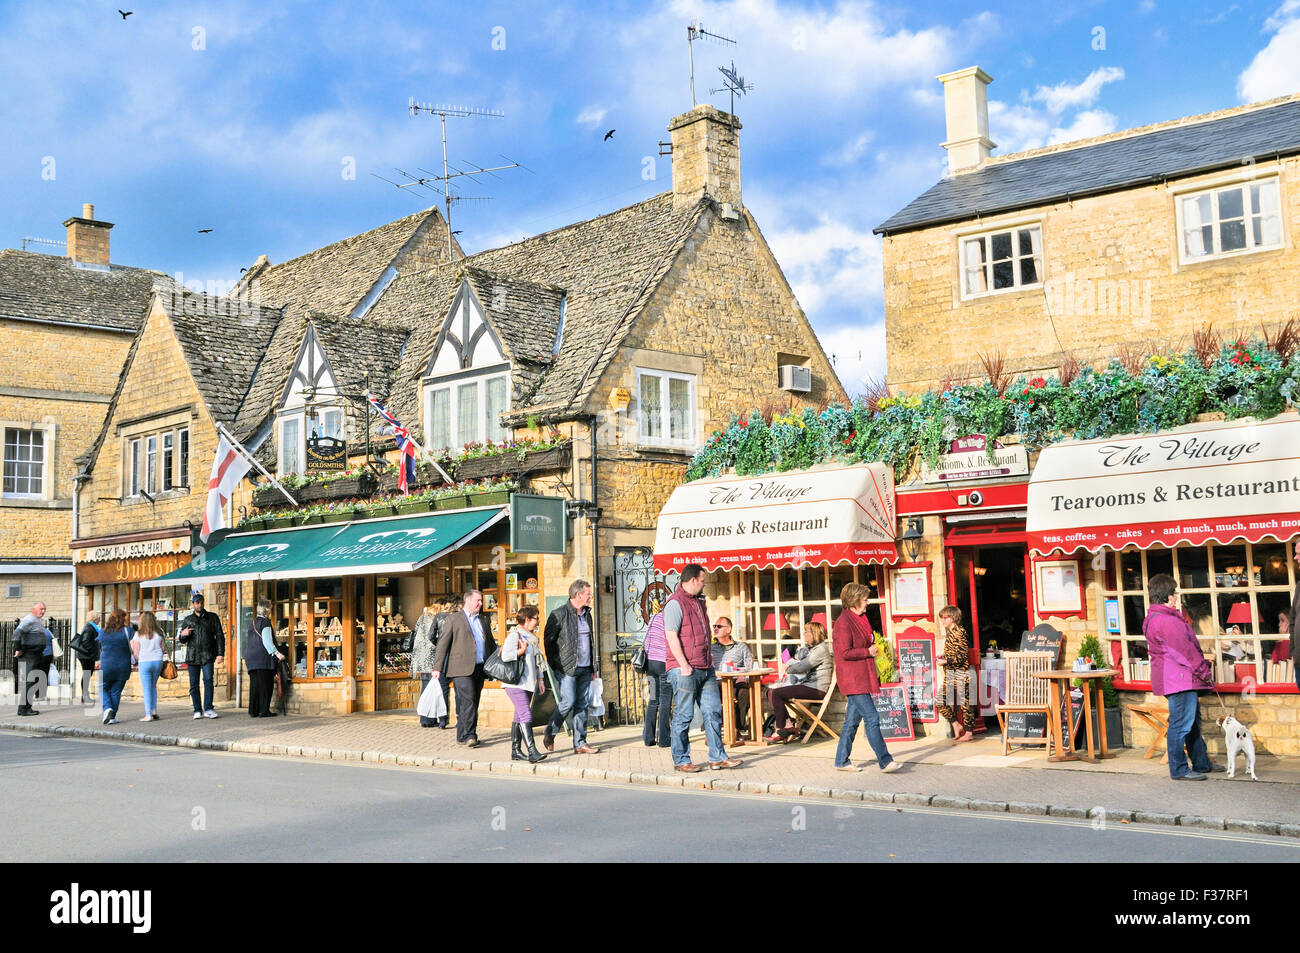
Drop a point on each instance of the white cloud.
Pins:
(1275, 70)
(1146, 6)
(591, 116)
(857, 353)
(1065, 96)
(1089, 123)
(831, 264)
(851, 151)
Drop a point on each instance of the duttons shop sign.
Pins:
(1193, 485)
(968, 458)
(142, 549)
(130, 570)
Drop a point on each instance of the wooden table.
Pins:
(1059, 690)
(730, 735)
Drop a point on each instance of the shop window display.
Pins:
(307, 615)
(1233, 595)
(393, 632)
(777, 603)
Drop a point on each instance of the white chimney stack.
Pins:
(966, 110)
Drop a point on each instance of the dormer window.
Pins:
(310, 407)
(467, 382)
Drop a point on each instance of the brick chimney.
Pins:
(88, 239)
(966, 109)
(706, 156)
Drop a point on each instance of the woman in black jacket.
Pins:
(86, 647)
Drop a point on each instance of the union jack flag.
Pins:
(405, 446)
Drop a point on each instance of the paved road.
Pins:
(133, 803)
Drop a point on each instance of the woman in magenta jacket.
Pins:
(855, 672)
(1179, 672)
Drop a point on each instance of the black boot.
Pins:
(533, 754)
(516, 739)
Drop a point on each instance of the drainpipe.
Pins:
(595, 529)
(75, 624)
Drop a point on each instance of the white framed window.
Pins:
(1006, 260)
(667, 408)
(1229, 220)
(157, 462)
(465, 411)
(24, 464)
(291, 445)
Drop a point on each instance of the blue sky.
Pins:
(246, 117)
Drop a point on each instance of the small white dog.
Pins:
(1239, 741)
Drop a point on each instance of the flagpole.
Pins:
(419, 448)
(251, 459)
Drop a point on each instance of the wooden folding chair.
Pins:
(812, 710)
(1027, 694)
(1156, 715)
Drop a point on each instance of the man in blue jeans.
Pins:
(690, 672)
(570, 649)
(205, 645)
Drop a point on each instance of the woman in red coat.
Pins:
(855, 672)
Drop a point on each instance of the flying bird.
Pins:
(610, 135)
(242, 270)
(457, 231)
(205, 231)
(125, 13)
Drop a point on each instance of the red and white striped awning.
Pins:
(830, 515)
(1199, 484)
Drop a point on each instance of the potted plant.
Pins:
(1090, 649)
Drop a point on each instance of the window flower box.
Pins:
(341, 488)
(512, 463)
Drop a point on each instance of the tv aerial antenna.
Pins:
(734, 83)
(695, 31)
(441, 184)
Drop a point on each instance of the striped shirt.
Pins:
(656, 645)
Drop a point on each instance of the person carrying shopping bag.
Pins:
(521, 643)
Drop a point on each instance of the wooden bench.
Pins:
(1156, 715)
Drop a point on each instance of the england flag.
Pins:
(228, 469)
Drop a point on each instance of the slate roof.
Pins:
(50, 288)
(606, 268)
(223, 340)
(1188, 147)
(335, 279)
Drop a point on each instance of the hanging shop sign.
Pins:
(830, 515)
(1200, 484)
(538, 524)
(326, 455)
(142, 549)
(968, 458)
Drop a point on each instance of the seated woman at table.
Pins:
(816, 670)
(956, 707)
(1282, 648)
(728, 652)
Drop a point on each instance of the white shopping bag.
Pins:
(54, 675)
(596, 698)
(431, 704)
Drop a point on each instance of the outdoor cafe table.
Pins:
(730, 733)
(1058, 681)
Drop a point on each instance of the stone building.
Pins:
(1136, 238)
(66, 327)
(620, 341)
(1133, 240)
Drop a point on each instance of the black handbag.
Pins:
(508, 673)
(640, 660)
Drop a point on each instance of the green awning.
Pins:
(248, 555)
(396, 545)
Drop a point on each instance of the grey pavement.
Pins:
(172, 804)
(973, 776)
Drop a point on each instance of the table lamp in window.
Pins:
(820, 619)
(775, 622)
(1240, 615)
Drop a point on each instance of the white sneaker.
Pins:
(847, 767)
(891, 767)
(210, 714)
(108, 713)
(198, 714)
(147, 718)
(112, 721)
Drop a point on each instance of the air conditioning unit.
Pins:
(728, 212)
(795, 378)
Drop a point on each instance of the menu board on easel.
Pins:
(894, 712)
(916, 672)
(1042, 638)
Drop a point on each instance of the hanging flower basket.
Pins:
(497, 498)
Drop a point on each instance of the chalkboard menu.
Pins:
(895, 714)
(916, 673)
(1025, 724)
(1042, 638)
